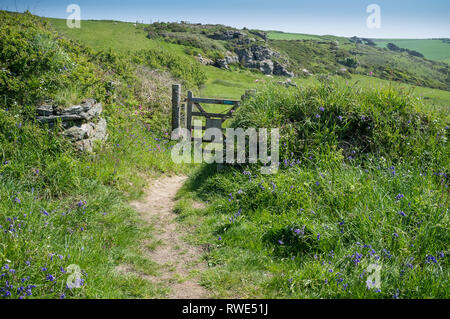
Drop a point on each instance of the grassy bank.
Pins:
(344, 203)
(64, 216)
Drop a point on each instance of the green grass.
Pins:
(431, 49)
(276, 35)
(60, 207)
(120, 36)
(434, 100)
(313, 229)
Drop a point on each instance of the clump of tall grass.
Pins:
(362, 124)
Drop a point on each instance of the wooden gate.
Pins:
(194, 108)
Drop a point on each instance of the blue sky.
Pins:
(399, 18)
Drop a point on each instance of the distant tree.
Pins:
(370, 42)
(393, 47)
(415, 53)
(350, 62)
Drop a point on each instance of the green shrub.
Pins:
(35, 63)
(358, 123)
(182, 67)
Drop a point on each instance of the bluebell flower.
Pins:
(431, 258)
(396, 295)
(50, 277)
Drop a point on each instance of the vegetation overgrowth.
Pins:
(363, 179)
(363, 185)
(64, 215)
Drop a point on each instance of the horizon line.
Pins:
(189, 22)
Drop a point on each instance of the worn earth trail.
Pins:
(179, 262)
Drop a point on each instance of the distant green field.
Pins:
(276, 35)
(431, 49)
(118, 36)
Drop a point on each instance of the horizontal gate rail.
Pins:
(209, 115)
(214, 101)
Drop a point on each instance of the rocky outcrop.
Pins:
(260, 34)
(262, 58)
(203, 60)
(230, 58)
(227, 35)
(82, 123)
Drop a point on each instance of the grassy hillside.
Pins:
(363, 177)
(123, 37)
(317, 54)
(432, 49)
(276, 35)
(321, 57)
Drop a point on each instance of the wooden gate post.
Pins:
(176, 107)
(189, 106)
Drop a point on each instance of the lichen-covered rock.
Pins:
(82, 123)
(280, 70)
(228, 35)
(45, 110)
(100, 132)
(222, 63)
(85, 111)
(203, 60)
(231, 58)
(262, 58)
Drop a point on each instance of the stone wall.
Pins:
(82, 123)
